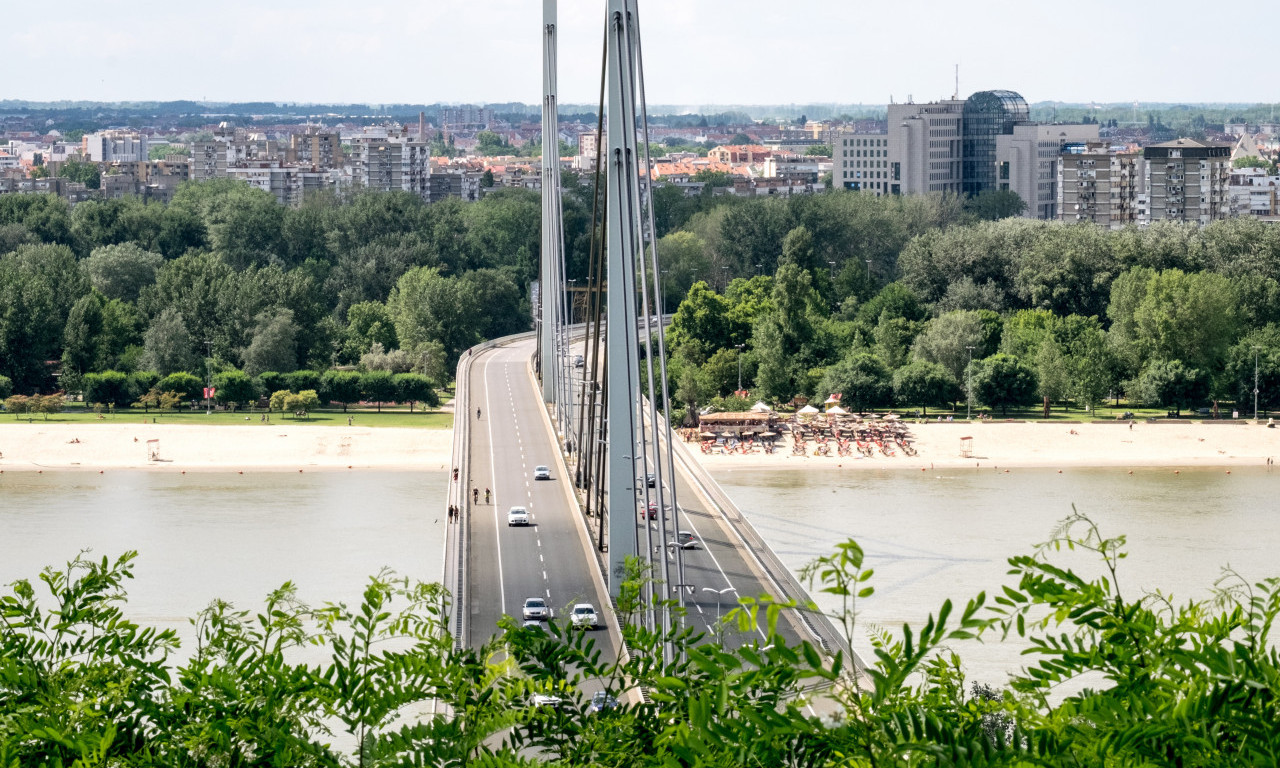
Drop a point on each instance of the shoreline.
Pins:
(1013, 445)
(41, 447)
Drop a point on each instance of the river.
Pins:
(935, 535)
(929, 536)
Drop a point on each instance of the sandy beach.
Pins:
(256, 446)
(1055, 445)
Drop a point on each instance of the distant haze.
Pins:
(698, 52)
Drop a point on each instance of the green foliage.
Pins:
(185, 384)
(302, 379)
(6, 387)
(234, 387)
(108, 388)
(1001, 381)
(924, 383)
(378, 387)
(995, 204)
(341, 386)
(122, 271)
(1171, 383)
(86, 172)
(863, 380)
(415, 388)
(713, 178)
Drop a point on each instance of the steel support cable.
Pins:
(665, 406)
(588, 476)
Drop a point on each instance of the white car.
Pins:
(535, 609)
(546, 700)
(517, 516)
(542, 472)
(584, 616)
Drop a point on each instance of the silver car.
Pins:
(542, 472)
(535, 609)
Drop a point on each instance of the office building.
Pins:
(114, 147)
(984, 143)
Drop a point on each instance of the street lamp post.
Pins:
(724, 275)
(1255, 383)
(833, 270)
(572, 280)
(758, 268)
(968, 395)
(740, 347)
(719, 593)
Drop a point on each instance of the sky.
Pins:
(697, 52)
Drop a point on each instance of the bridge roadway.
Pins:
(555, 556)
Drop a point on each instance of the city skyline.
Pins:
(709, 53)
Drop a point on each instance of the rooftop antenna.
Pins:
(956, 96)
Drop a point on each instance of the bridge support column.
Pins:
(623, 225)
(551, 250)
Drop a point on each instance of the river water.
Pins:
(935, 535)
(929, 536)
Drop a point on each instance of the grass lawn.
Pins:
(390, 417)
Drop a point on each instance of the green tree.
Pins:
(414, 388)
(923, 383)
(169, 346)
(995, 204)
(274, 345)
(1001, 381)
(82, 338)
(378, 387)
(108, 388)
(122, 271)
(341, 386)
(946, 340)
(1188, 317)
(85, 172)
(189, 387)
(1053, 379)
(234, 387)
(862, 379)
(1172, 383)
(39, 284)
(368, 323)
(427, 306)
(1258, 351)
(302, 379)
(6, 387)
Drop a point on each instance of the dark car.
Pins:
(602, 700)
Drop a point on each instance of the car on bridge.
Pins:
(603, 700)
(517, 516)
(584, 616)
(685, 540)
(535, 609)
(578, 361)
(542, 472)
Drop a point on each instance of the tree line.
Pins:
(224, 280)
(911, 302)
(1187, 685)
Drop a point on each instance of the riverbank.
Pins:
(254, 446)
(1055, 445)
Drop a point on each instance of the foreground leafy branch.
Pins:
(1110, 680)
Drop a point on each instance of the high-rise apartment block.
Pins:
(984, 143)
(391, 163)
(466, 117)
(1187, 181)
(319, 149)
(1183, 180)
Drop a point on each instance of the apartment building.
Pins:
(1100, 185)
(1254, 193)
(921, 152)
(860, 161)
(1187, 180)
(316, 148)
(391, 164)
(467, 117)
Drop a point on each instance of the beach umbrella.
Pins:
(807, 409)
(708, 434)
(760, 407)
(836, 410)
